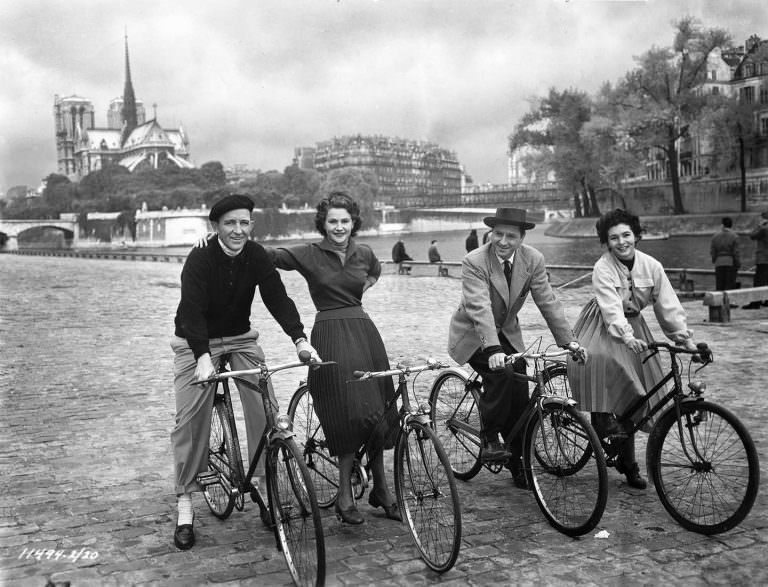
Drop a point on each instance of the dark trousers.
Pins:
(761, 275)
(725, 277)
(503, 400)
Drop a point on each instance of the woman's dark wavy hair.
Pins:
(337, 200)
(614, 217)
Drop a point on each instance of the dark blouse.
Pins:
(331, 285)
(217, 293)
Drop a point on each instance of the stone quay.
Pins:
(86, 467)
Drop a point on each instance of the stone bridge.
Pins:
(11, 229)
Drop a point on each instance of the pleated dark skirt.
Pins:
(349, 410)
(613, 376)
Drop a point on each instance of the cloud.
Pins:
(250, 81)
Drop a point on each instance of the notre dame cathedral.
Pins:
(128, 139)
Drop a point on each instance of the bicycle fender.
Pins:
(456, 371)
(420, 417)
(284, 434)
(556, 400)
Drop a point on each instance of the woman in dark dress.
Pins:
(338, 271)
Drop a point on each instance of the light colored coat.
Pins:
(488, 307)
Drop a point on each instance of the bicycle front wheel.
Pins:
(427, 496)
(706, 469)
(456, 420)
(323, 468)
(295, 513)
(217, 483)
(571, 490)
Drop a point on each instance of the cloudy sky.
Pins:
(249, 80)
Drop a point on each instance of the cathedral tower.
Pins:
(130, 117)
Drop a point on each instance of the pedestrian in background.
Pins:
(724, 250)
(398, 253)
(760, 236)
(471, 243)
(432, 253)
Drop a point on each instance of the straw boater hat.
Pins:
(513, 216)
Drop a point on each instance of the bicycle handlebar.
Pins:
(702, 350)
(529, 354)
(431, 364)
(263, 370)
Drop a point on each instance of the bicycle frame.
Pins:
(676, 395)
(536, 401)
(405, 413)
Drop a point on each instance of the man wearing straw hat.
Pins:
(495, 281)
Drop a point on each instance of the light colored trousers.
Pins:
(194, 403)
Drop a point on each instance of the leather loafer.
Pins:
(392, 511)
(348, 516)
(184, 537)
(632, 473)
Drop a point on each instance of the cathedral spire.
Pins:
(129, 115)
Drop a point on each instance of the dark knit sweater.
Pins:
(217, 292)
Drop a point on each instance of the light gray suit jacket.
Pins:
(488, 308)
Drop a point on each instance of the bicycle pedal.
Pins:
(208, 478)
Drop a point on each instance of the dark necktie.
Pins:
(508, 272)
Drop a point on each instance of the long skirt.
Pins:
(350, 410)
(614, 376)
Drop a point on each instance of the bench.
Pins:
(442, 271)
(403, 268)
(720, 302)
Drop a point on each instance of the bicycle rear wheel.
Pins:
(222, 474)
(456, 420)
(571, 491)
(427, 495)
(707, 477)
(295, 513)
(323, 468)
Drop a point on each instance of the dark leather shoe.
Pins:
(348, 516)
(632, 473)
(519, 477)
(392, 510)
(184, 537)
(752, 306)
(494, 452)
(266, 517)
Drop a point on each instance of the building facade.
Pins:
(404, 168)
(741, 73)
(128, 139)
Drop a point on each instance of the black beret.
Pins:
(227, 203)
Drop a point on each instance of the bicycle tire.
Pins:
(556, 384)
(295, 512)
(427, 495)
(716, 493)
(323, 468)
(221, 457)
(571, 498)
(456, 420)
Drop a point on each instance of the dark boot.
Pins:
(626, 464)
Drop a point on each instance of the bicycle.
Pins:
(567, 475)
(699, 455)
(426, 491)
(292, 511)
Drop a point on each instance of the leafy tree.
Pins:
(554, 128)
(213, 173)
(659, 100)
(301, 185)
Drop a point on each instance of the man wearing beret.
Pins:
(218, 284)
(495, 281)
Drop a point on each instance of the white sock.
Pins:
(184, 505)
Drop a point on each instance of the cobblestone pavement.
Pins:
(87, 408)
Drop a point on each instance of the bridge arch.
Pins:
(13, 229)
